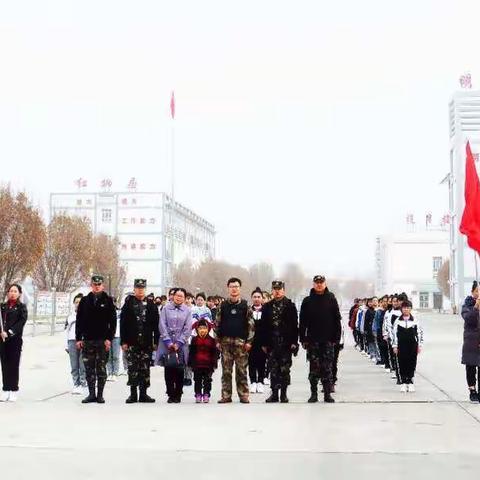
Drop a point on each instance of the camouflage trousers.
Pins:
(279, 364)
(95, 356)
(321, 356)
(138, 365)
(233, 352)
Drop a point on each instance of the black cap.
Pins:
(318, 278)
(278, 284)
(140, 283)
(97, 279)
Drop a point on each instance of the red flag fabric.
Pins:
(172, 105)
(470, 225)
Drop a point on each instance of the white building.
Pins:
(409, 263)
(150, 232)
(464, 126)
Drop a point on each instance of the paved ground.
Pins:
(373, 429)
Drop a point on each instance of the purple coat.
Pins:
(175, 327)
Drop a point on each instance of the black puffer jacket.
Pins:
(471, 333)
(14, 318)
(320, 319)
(96, 318)
(288, 324)
(129, 328)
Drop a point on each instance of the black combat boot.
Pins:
(92, 398)
(133, 398)
(473, 396)
(144, 398)
(314, 392)
(100, 387)
(327, 397)
(273, 398)
(283, 395)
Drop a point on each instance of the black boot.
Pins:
(314, 392)
(474, 396)
(283, 395)
(327, 397)
(92, 398)
(144, 398)
(100, 387)
(133, 398)
(273, 398)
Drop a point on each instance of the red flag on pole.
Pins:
(172, 104)
(470, 225)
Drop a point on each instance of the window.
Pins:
(106, 215)
(437, 265)
(424, 300)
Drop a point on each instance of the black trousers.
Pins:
(257, 364)
(407, 361)
(471, 371)
(174, 381)
(383, 349)
(10, 353)
(203, 381)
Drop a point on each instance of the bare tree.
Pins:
(262, 275)
(296, 282)
(357, 288)
(184, 276)
(22, 237)
(105, 260)
(443, 278)
(67, 255)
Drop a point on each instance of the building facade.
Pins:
(410, 263)
(464, 125)
(154, 232)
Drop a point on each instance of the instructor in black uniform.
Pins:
(139, 338)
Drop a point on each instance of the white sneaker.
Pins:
(403, 388)
(266, 381)
(253, 388)
(260, 388)
(393, 375)
(12, 397)
(78, 390)
(4, 396)
(411, 387)
(114, 378)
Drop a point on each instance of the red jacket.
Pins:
(203, 353)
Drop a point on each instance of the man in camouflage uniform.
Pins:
(320, 331)
(278, 335)
(94, 331)
(234, 330)
(139, 337)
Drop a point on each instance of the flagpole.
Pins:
(172, 185)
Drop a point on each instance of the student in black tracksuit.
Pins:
(407, 344)
(14, 316)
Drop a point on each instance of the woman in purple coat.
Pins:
(175, 329)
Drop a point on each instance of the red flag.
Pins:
(470, 225)
(172, 104)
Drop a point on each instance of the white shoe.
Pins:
(12, 397)
(411, 387)
(4, 396)
(393, 375)
(253, 388)
(403, 388)
(260, 388)
(114, 378)
(78, 390)
(266, 381)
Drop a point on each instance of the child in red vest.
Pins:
(203, 360)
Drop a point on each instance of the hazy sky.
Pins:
(304, 129)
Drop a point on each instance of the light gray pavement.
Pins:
(373, 429)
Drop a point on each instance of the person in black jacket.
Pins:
(94, 332)
(278, 336)
(139, 336)
(14, 315)
(320, 331)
